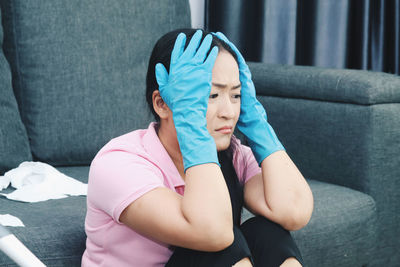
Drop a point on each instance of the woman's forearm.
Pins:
(286, 192)
(206, 203)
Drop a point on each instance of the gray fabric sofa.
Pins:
(72, 76)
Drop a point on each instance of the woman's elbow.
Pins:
(299, 218)
(217, 238)
(224, 240)
(296, 223)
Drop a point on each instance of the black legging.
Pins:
(266, 243)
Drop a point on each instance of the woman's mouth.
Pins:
(225, 130)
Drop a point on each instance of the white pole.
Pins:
(14, 249)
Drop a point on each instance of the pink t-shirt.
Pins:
(123, 170)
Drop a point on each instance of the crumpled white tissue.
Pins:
(38, 181)
(9, 220)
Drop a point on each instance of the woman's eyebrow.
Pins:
(220, 85)
(237, 86)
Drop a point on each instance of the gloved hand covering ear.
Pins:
(186, 90)
(253, 121)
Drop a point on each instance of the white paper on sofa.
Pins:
(10, 220)
(38, 181)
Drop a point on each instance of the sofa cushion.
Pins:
(14, 144)
(341, 229)
(79, 69)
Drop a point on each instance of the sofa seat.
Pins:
(342, 224)
(54, 230)
(341, 228)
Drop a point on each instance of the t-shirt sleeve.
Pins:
(245, 163)
(117, 178)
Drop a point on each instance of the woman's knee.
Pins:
(237, 251)
(269, 242)
(246, 262)
(260, 228)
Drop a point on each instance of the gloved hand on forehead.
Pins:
(186, 89)
(253, 121)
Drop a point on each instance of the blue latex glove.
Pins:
(253, 121)
(186, 90)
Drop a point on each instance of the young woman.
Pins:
(172, 194)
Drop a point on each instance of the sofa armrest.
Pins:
(333, 85)
(342, 127)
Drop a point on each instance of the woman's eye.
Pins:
(213, 95)
(237, 96)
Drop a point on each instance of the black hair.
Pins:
(162, 54)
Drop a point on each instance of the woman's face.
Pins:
(224, 103)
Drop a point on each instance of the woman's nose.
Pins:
(226, 108)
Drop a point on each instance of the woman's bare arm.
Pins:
(280, 193)
(200, 220)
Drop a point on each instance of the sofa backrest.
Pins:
(14, 144)
(79, 67)
(339, 126)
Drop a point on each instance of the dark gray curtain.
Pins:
(355, 34)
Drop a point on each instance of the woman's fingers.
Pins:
(161, 74)
(191, 49)
(222, 36)
(196, 51)
(179, 47)
(203, 50)
(209, 63)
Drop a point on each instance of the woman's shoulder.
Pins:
(241, 151)
(127, 159)
(244, 161)
(134, 143)
(121, 172)
(127, 144)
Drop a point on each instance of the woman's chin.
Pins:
(222, 144)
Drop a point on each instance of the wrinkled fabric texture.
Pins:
(125, 169)
(335, 34)
(265, 243)
(186, 89)
(54, 230)
(37, 181)
(77, 93)
(10, 220)
(253, 121)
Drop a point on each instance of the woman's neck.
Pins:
(171, 145)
